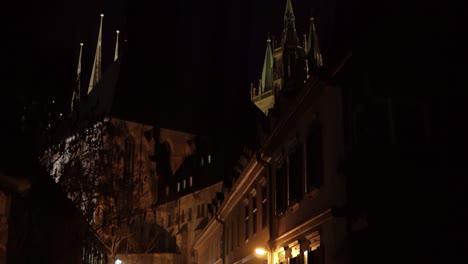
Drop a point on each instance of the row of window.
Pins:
(251, 210)
(180, 219)
(202, 160)
(300, 171)
(181, 185)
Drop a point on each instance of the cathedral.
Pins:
(142, 188)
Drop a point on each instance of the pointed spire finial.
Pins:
(289, 31)
(313, 47)
(77, 89)
(96, 72)
(289, 12)
(116, 52)
(267, 71)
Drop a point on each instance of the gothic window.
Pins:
(129, 155)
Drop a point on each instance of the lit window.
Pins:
(209, 159)
(202, 161)
(190, 181)
(178, 186)
(184, 184)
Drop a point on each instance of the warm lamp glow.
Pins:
(260, 251)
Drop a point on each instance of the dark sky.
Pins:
(200, 49)
(190, 62)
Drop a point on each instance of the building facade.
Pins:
(282, 208)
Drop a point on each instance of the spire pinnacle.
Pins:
(116, 52)
(267, 71)
(76, 91)
(289, 31)
(313, 48)
(96, 72)
(288, 12)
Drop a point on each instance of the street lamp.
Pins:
(260, 253)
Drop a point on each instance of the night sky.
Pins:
(188, 63)
(199, 50)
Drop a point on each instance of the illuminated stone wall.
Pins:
(186, 217)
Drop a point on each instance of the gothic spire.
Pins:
(288, 12)
(96, 73)
(267, 72)
(289, 32)
(77, 89)
(116, 52)
(313, 48)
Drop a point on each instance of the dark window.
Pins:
(281, 188)
(314, 157)
(238, 229)
(190, 214)
(264, 206)
(254, 214)
(246, 213)
(227, 239)
(315, 256)
(232, 235)
(295, 177)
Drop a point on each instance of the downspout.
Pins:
(270, 202)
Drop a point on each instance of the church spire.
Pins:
(288, 12)
(289, 32)
(96, 73)
(116, 52)
(77, 89)
(267, 72)
(313, 48)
